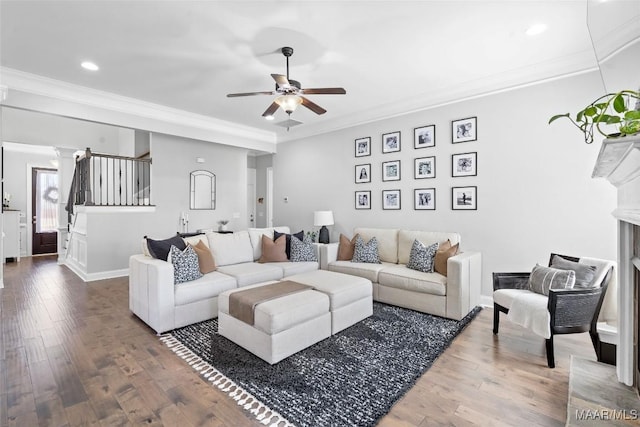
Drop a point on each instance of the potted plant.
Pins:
(622, 114)
(222, 224)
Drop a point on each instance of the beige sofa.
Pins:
(451, 296)
(164, 306)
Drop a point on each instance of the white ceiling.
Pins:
(391, 56)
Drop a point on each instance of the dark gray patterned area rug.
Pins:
(352, 378)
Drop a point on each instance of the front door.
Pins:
(44, 202)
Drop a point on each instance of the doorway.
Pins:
(44, 210)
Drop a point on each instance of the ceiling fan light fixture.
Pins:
(289, 103)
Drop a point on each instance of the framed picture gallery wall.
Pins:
(377, 171)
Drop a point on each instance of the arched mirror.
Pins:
(203, 190)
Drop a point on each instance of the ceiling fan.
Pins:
(290, 93)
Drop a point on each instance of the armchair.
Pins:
(564, 311)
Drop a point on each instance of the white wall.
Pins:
(262, 163)
(120, 235)
(535, 192)
(17, 172)
(28, 127)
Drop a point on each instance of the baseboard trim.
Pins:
(92, 277)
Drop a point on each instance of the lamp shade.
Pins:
(322, 218)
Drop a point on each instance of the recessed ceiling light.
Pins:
(536, 29)
(88, 65)
(269, 117)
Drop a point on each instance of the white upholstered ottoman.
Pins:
(350, 297)
(281, 326)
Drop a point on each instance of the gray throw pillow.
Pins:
(185, 265)
(366, 252)
(421, 257)
(544, 278)
(584, 273)
(302, 251)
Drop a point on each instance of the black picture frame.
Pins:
(464, 164)
(424, 137)
(464, 198)
(424, 199)
(362, 173)
(362, 200)
(391, 142)
(391, 200)
(362, 146)
(391, 170)
(424, 167)
(464, 130)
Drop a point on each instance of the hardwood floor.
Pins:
(72, 354)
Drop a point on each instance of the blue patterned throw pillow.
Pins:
(302, 250)
(421, 256)
(366, 252)
(185, 265)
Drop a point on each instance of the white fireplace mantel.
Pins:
(619, 162)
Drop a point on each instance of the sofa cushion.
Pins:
(185, 264)
(249, 273)
(230, 248)
(346, 248)
(255, 235)
(273, 250)
(406, 238)
(544, 278)
(444, 252)
(387, 242)
(290, 268)
(299, 235)
(302, 251)
(205, 257)
(584, 273)
(368, 271)
(401, 277)
(422, 257)
(208, 286)
(193, 240)
(159, 249)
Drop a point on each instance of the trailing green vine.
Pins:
(624, 115)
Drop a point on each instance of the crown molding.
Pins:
(16, 80)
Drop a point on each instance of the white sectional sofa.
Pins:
(164, 306)
(451, 296)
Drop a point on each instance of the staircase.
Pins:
(103, 180)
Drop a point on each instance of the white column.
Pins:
(66, 166)
(3, 96)
(624, 353)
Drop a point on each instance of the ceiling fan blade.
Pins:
(324, 91)
(312, 106)
(281, 80)
(233, 95)
(271, 110)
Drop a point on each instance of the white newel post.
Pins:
(66, 166)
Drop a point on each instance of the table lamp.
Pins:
(322, 219)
